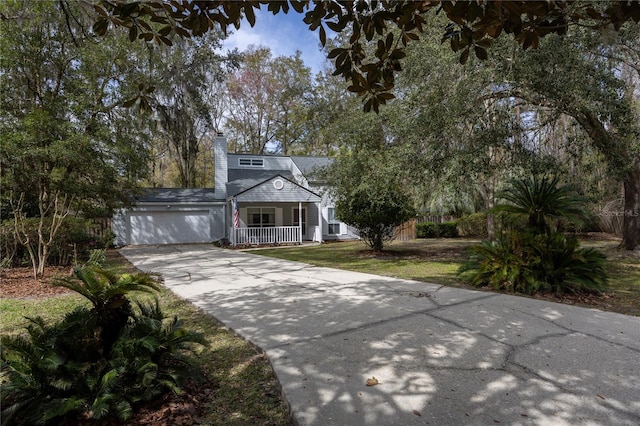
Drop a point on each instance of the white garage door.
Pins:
(169, 227)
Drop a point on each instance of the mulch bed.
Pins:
(20, 282)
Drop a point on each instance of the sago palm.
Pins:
(107, 292)
(539, 200)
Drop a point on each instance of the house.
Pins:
(257, 199)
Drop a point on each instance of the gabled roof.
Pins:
(176, 195)
(243, 179)
(277, 189)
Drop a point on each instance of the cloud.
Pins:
(283, 34)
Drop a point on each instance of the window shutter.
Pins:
(325, 226)
(343, 228)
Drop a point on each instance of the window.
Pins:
(251, 162)
(261, 217)
(334, 224)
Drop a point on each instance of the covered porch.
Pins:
(275, 212)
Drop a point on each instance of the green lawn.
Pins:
(437, 261)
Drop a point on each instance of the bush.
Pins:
(473, 225)
(533, 256)
(527, 263)
(426, 230)
(72, 242)
(447, 230)
(436, 230)
(97, 361)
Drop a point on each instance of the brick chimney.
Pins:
(220, 164)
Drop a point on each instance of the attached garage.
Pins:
(170, 227)
(171, 216)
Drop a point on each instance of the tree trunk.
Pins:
(631, 225)
(490, 197)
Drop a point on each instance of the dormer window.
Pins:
(251, 162)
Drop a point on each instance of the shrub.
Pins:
(540, 200)
(97, 361)
(426, 230)
(533, 256)
(496, 264)
(447, 230)
(72, 242)
(528, 263)
(376, 218)
(564, 267)
(436, 230)
(473, 225)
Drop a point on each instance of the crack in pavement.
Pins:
(506, 353)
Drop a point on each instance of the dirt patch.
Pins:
(20, 282)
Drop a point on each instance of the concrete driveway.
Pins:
(442, 356)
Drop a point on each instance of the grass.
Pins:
(246, 390)
(241, 385)
(437, 261)
(13, 312)
(433, 260)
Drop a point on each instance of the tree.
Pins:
(293, 102)
(584, 84)
(252, 111)
(487, 120)
(182, 75)
(268, 103)
(461, 144)
(381, 30)
(67, 142)
(370, 196)
(390, 25)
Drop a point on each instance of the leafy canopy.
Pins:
(386, 26)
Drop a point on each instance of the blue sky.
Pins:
(283, 34)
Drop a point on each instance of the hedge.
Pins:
(437, 230)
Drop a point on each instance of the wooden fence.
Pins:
(611, 223)
(435, 219)
(406, 231)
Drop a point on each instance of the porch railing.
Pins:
(270, 235)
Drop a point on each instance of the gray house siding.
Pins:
(278, 190)
(169, 224)
(165, 216)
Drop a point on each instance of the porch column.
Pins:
(229, 225)
(319, 222)
(300, 220)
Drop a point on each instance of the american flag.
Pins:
(236, 214)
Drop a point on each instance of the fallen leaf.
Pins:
(372, 381)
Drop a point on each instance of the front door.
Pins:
(296, 222)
